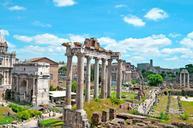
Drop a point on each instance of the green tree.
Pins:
(155, 79)
(62, 70)
(189, 67)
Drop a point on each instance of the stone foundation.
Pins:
(74, 119)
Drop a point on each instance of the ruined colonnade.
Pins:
(91, 50)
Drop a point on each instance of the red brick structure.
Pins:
(54, 66)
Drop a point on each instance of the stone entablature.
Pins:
(31, 83)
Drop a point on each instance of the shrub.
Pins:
(115, 100)
(25, 115)
(134, 111)
(184, 116)
(17, 108)
(163, 116)
(74, 85)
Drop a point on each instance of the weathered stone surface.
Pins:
(96, 118)
(111, 114)
(105, 116)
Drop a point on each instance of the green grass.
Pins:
(131, 96)
(98, 106)
(4, 119)
(161, 106)
(187, 107)
(51, 123)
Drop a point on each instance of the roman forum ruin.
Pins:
(91, 49)
(184, 79)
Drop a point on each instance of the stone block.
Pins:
(111, 114)
(96, 118)
(105, 116)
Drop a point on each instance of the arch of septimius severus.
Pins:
(90, 50)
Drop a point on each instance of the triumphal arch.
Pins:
(89, 50)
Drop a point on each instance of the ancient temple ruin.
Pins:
(184, 79)
(91, 49)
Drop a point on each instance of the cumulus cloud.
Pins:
(41, 39)
(156, 14)
(188, 40)
(134, 20)
(175, 58)
(16, 8)
(4, 32)
(63, 3)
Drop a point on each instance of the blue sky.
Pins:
(139, 29)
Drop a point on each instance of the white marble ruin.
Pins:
(31, 83)
(6, 64)
(91, 50)
(184, 79)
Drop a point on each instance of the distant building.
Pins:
(129, 72)
(145, 66)
(54, 66)
(31, 83)
(6, 65)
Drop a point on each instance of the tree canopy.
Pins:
(189, 67)
(154, 79)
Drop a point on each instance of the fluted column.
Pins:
(96, 78)
(88, 71)
(188, 80)
(180, 79)
(34, 95)
(119, 79)
(184, 79)
(103, 79)
(69, 82)
(109, 78)
(80, 89)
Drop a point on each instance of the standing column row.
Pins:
(119, 79)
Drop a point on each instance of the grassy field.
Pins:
(51, 123)
(161, 106)
(187, 107)
(131, 96)
(4, 118)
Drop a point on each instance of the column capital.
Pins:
(79, 54)
(103, 60)
(120, 60)
(96, 58)
(88, 57)
(110, 60)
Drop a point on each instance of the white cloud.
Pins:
(40, 24)
(175, 58)
(23, 38)
(77, 38)
(156, 14)
(63, 3)
(133, 20)
(174, 35)
(120, 6)
(188, 40)
(4, 32)
(41, 39)
(16, 8)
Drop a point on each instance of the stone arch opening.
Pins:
(23, 89)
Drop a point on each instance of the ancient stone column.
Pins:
(103, 79)
(180, 79)
(184, 79)
(80, 89)
(88, 71)
(34, 95)
(109, 78)
(69, 82)
(119, 79)
(96, 78)
(188, 80)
